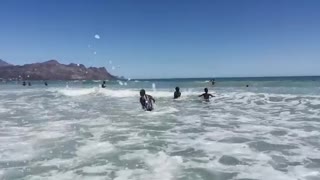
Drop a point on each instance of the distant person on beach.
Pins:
(103, 85)
(206, 95)
(24, 83)
(146, 101)
(177, 93)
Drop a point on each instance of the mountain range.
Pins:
(52, 70)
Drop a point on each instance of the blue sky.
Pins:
(166, 38)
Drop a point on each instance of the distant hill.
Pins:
(3, 63)
(53, 70)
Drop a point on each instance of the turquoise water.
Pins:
(77, 130)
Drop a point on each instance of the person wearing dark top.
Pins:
(177, 93)
(206, 95)
(146, 101)
(103, 85)
(24, 83)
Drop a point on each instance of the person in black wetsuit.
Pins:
(24, 83)
(206, 95)
(177, 93)
(45, 83)
(146, 101)
(103, 85)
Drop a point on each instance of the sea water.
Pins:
(77, 130)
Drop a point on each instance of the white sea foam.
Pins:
(102, 133)
(116, 93)
(94, 148)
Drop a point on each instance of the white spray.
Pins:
(154, 86)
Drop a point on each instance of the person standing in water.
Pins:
(146, 101)
(103, 85)
(213, 82)
(177, 93)
(206, 95)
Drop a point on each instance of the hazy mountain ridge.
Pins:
(52, 70)
(3, 63)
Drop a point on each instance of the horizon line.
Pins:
(227, 77)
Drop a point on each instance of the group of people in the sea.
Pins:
(24, 83)
(29, 83)
(147, 100)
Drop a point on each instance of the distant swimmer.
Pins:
(206, 95)
(146, 101)
(177, 93)
(103, 85)
(29, 83)
(213, 82)
(45, 83)
(24, 83)
(247, 85)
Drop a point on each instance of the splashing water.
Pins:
(97, 36)
(154, 86)
(120, 83)
(87, 132)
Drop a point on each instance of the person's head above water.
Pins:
(206, 90)
(104, 82)
(142, 92)
(177, 89)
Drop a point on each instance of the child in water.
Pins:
(146, 101)
(206, 95)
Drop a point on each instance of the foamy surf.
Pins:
(88, 132)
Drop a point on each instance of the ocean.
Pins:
(77, 130)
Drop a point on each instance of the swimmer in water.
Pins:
(146, 101)
(24, 83)
(206, 95)
(213, 82)
(45, 83)
(103, 85)
(177, 93)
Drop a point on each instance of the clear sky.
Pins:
(166, 38)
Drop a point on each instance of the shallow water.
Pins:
(85, 132)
